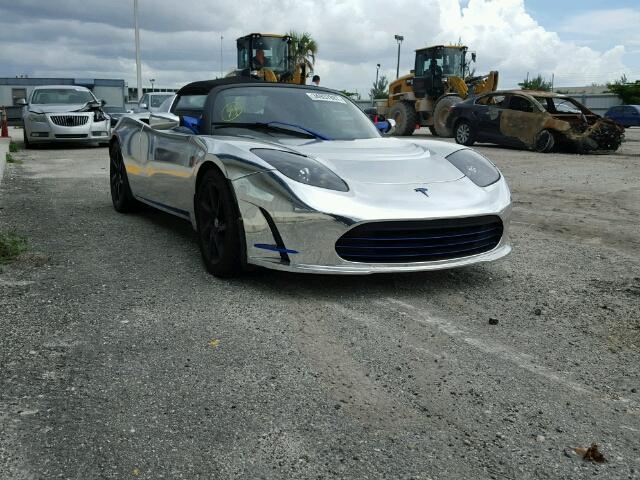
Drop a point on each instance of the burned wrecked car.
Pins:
(540, 121)
(63, 113)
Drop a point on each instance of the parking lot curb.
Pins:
(4, 149)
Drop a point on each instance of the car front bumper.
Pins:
(48, 131)
(294, 227)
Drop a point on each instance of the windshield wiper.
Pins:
(278, 126)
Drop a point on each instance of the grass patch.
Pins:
(13, 147)
(11, 245)
(10, 159)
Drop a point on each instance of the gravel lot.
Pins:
(120, 357)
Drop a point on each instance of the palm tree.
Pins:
(303, 52)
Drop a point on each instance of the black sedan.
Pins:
(541, 121)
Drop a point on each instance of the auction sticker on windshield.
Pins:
(325, 97)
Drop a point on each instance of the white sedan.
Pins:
(64, 113)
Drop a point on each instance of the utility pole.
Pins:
(152, 80)
(138, 70)
(553, 77)
(375, 85)
(221, 68)
(399, 39)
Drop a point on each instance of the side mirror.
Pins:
(21, 101)
(163, 121)
(102, 102)
(143, 105)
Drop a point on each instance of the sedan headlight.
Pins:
(476, 167)
(302, 169)
(37, 117)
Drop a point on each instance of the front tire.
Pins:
(464, 134)
(441, 114)
(218, 224)
(25, 138)
(545, 141)
(121, 195)
(404, 113)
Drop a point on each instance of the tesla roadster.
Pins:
(297, 178)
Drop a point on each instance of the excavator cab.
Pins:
(265, 56)
(434, 66)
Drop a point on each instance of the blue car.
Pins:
(625, 115)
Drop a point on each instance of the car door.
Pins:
(171, 157)
(487, 113)
(520, 121)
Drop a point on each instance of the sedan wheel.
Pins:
(218, 226)
(463, 134)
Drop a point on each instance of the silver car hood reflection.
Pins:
(373, 160)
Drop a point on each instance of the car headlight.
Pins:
(476, 167)
(302, 169)
(37, 117)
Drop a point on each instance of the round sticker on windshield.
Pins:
(231, 111)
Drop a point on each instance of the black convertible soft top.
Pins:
(203, 87)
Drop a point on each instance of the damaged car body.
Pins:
(64, 113)
(540, 121)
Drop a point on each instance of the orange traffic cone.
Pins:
(5, 127)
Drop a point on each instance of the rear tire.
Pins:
(545, 141)
(121, 195)
(218, 224)
(441, 114)
(406, 117)
(463, 133)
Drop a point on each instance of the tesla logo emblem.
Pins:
(422, 190)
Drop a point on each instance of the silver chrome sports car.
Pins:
(298, 178)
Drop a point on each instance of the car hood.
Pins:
(53, 108)
(385, 160)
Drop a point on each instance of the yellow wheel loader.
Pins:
(440, 80)
(268, 57)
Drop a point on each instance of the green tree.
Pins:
(354, 95)
(536, 83)
(303, 51)
(627, 91)
(379, 89)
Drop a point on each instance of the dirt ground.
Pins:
(120, 357)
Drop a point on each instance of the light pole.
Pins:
(375, 85)
(221, 69)
(399, 39)
(152, 80)
(137, 34)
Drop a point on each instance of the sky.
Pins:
(580, 42)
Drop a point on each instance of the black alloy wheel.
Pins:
(218, 225)
(121, 195)
(464, 134)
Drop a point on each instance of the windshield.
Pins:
(61, 96)
(165, 106)
(329, 114)
(266, 52)
(156, 100)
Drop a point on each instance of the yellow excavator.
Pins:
(440, 80)
(268, 57)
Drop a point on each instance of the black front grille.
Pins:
(72, 135)
(69, 120)
(420, 240)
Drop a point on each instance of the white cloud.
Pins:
(181, 42)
